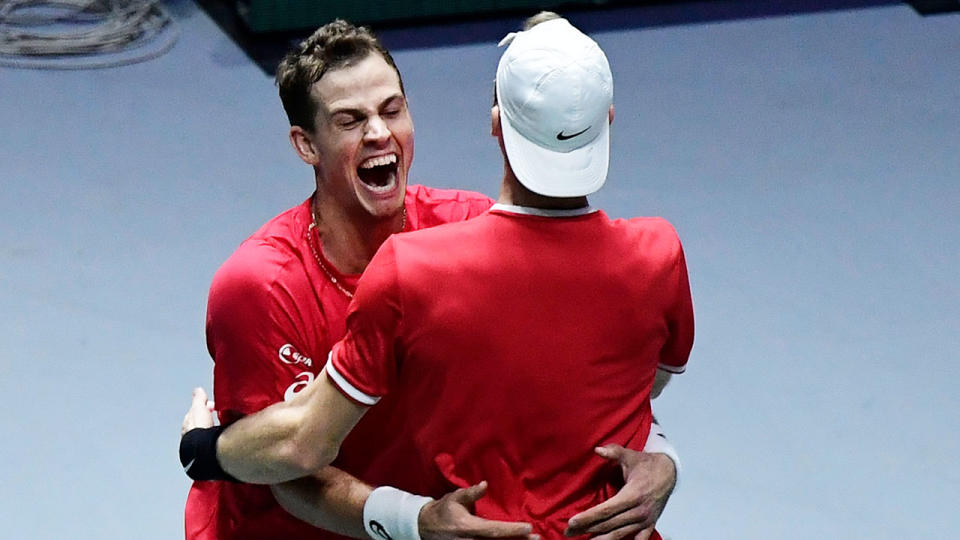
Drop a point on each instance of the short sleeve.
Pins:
(364, 361)
(679, 317)
(254, 337)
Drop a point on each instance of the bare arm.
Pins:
(334, 500)
(330, 499)
(290, 439)
(660, 381)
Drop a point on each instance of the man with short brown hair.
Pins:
(278, 304)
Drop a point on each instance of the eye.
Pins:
(348, 123)
(392, 109)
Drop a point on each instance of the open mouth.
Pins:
(379, 173)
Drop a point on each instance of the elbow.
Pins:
(314, 460)
(307, 454)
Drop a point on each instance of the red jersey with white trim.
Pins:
(530, 341)
(272, 317)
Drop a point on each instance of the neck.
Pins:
(513, 192)
(350, 239)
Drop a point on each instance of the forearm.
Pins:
(291, 439)
(264, 448)
(330, 499)
(338, 502)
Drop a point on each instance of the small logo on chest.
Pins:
(289, 355)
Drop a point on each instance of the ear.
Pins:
(495, 121)
(303, 145)
(610, 114)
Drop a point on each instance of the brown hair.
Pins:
(543, 16)
(334, 45)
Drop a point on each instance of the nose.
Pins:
(376, 131)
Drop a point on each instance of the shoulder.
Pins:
(656, 226)
(653, 226)
(269, 257)
(435, 206)
(652, 234)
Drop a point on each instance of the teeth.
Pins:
(379, 161)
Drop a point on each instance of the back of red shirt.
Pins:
(527, 343)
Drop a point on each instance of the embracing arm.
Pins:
(330, 499)
(291, 439)
(338, 502)
(334, 500)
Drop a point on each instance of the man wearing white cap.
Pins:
(539, 334)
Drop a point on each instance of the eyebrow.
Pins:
(353, 111)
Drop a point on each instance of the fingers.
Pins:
(589, 519)
(644, 534)
(635, 516)
(477, 527)
(467, 525)
(199, 398)
(623, 532)
(200, 413)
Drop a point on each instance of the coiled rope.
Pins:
(83, 34)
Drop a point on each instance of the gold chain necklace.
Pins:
(316, 254)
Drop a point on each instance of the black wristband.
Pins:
(198, 454)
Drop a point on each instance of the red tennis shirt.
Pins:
(516, 342)
(272, 316)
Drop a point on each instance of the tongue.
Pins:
(376, 176)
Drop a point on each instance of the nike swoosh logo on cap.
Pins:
(562, 137)
(187, 468)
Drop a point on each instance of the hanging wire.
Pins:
(83, 34)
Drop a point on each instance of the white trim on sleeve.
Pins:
(345, 386)
(672, 369)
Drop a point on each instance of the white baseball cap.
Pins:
(554, 89)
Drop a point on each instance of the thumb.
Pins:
(610, 451)
(470, 495)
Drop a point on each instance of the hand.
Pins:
(634, 510)
(450, 518)
(200, 414)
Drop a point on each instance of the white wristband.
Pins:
(390, 513)
(657, 443)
